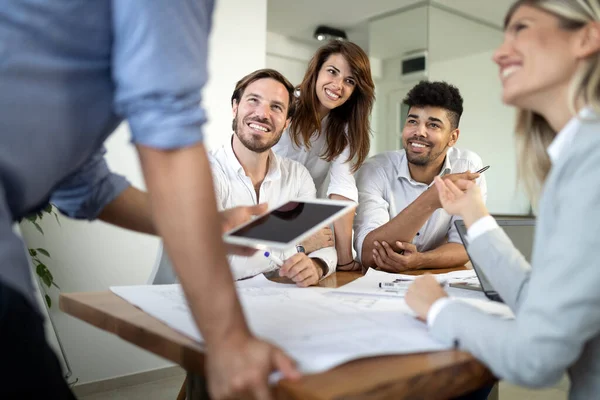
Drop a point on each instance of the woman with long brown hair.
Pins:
(330, 131)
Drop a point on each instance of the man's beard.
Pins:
(423, 160)
(252, 142)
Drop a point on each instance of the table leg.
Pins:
(197, 388)
(495, 393)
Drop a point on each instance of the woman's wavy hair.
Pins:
(347, 125)
(533, 132)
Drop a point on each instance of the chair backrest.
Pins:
(162, 273)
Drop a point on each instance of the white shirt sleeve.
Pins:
(329, 256)
(373, 210)
(341, 177)
(308, 191)
(481, 226)
(435, 309)
(306, 188)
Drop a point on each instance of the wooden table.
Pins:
(435, 375)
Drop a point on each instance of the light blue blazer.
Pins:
(557, 302)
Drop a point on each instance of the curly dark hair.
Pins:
(437, 94)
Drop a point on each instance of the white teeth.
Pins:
(418, 145)
(331, 94)
(258, 127)
(506, 72)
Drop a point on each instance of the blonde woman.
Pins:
(550, 71)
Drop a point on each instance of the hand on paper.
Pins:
(421, 295)
(462, 198)
(403, 258)
(301, 269)
(236, 216)
(323, 238)
(242, 365)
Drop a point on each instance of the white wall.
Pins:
(93, 256)
(459, 51)
(289, 56)
(486, 126)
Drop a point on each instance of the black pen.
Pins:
(482, 169)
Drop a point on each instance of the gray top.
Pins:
(556, 303)
(70, 72)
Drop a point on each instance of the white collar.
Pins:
(567, 134)
(274, 168)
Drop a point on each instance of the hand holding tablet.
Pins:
(289, 224)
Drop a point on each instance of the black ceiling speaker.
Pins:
(323, 33)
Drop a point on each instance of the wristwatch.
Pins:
(300, 249)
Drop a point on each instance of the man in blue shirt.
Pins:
(70, 72)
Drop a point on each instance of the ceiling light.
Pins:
(323, 33)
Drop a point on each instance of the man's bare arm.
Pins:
(178, 182)
(130, 210)
(447, 255)
(403, 227)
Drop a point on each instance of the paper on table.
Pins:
(317, 332)
(369, 284)
(364, 293)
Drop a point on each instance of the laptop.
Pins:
(519, 231)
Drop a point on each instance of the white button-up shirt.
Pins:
(385, 188)
(338, 172)
(286, 179)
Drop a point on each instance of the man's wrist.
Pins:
(432, 198)
(235, 334)
(422, 260)
(322, 268)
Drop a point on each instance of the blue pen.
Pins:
(273, 258)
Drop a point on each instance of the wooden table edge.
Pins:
(189, 354)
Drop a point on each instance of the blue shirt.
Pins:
(84, 194)
(70, 72)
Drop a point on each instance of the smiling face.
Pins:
(335, 82)
(261, 115)
(536, 59)
(427, 135)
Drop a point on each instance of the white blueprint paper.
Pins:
(317, 332)
(364, 293)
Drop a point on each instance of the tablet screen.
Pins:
(287, 222)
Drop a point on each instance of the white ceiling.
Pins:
(299, 18)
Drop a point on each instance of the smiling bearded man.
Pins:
(400, 224)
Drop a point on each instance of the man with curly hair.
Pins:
(400, 224)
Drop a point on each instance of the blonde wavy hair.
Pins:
(533, 133)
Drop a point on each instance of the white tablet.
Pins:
(289, 224)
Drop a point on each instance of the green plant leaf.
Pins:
(47, 279)
(44, 273)
(43, 251)
(32, 252)
(38, 227)
(39, 269)
(55, 285)
(48, 208)
(40, 215)
(48, 300)
(31, 218)
(56, 216)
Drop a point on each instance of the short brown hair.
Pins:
(265, 73)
